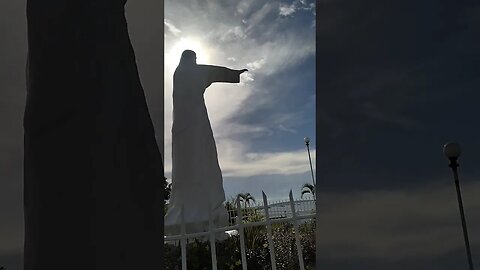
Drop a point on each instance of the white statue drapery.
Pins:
(196, 175)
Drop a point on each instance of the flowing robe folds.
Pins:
(196, 176)
(93, 180)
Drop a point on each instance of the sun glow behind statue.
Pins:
(172, 55)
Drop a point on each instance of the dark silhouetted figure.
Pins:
(196, 176)
(93, 183)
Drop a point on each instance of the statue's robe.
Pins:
(196, 176)
(93, 175)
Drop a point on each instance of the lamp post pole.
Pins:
(307, 143)
(452, 152)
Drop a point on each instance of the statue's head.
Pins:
(189, 57)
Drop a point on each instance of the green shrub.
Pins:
(258, 254)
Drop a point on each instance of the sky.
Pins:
(396, 81)
(259, 125)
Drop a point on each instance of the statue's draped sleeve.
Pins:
(222, 74)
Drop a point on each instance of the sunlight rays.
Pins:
(173, 53)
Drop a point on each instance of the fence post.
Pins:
(183, 239)
(212, 237)
(296, 232)
(240, 226)
(269, 232)
(242, 235)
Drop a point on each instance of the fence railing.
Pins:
(276, 209)
(293, 215)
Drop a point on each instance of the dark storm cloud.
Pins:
(145, 19)
(396, 81)
(396, 229)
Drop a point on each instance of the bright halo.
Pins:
(173, 54)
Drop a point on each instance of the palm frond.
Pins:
(308, 188)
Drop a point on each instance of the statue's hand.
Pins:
(243, 70)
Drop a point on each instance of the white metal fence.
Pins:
(289, 211)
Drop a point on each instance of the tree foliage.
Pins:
(258, 254)
(308, 189)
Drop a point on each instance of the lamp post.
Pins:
(452, 152)
(307, 143)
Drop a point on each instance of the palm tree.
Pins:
(167, 191)
(246, 198)
(230, 206)
(253, 234)
(308, 188)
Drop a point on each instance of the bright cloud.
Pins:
(286, 10)
(233, 34)
(170, 27)
(250, 164)
(256, 64)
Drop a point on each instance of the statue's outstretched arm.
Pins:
(223, 74)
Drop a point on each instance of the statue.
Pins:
(196, 177)
(93, 174)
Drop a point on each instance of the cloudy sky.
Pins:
(397, 80)
(259, 124)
